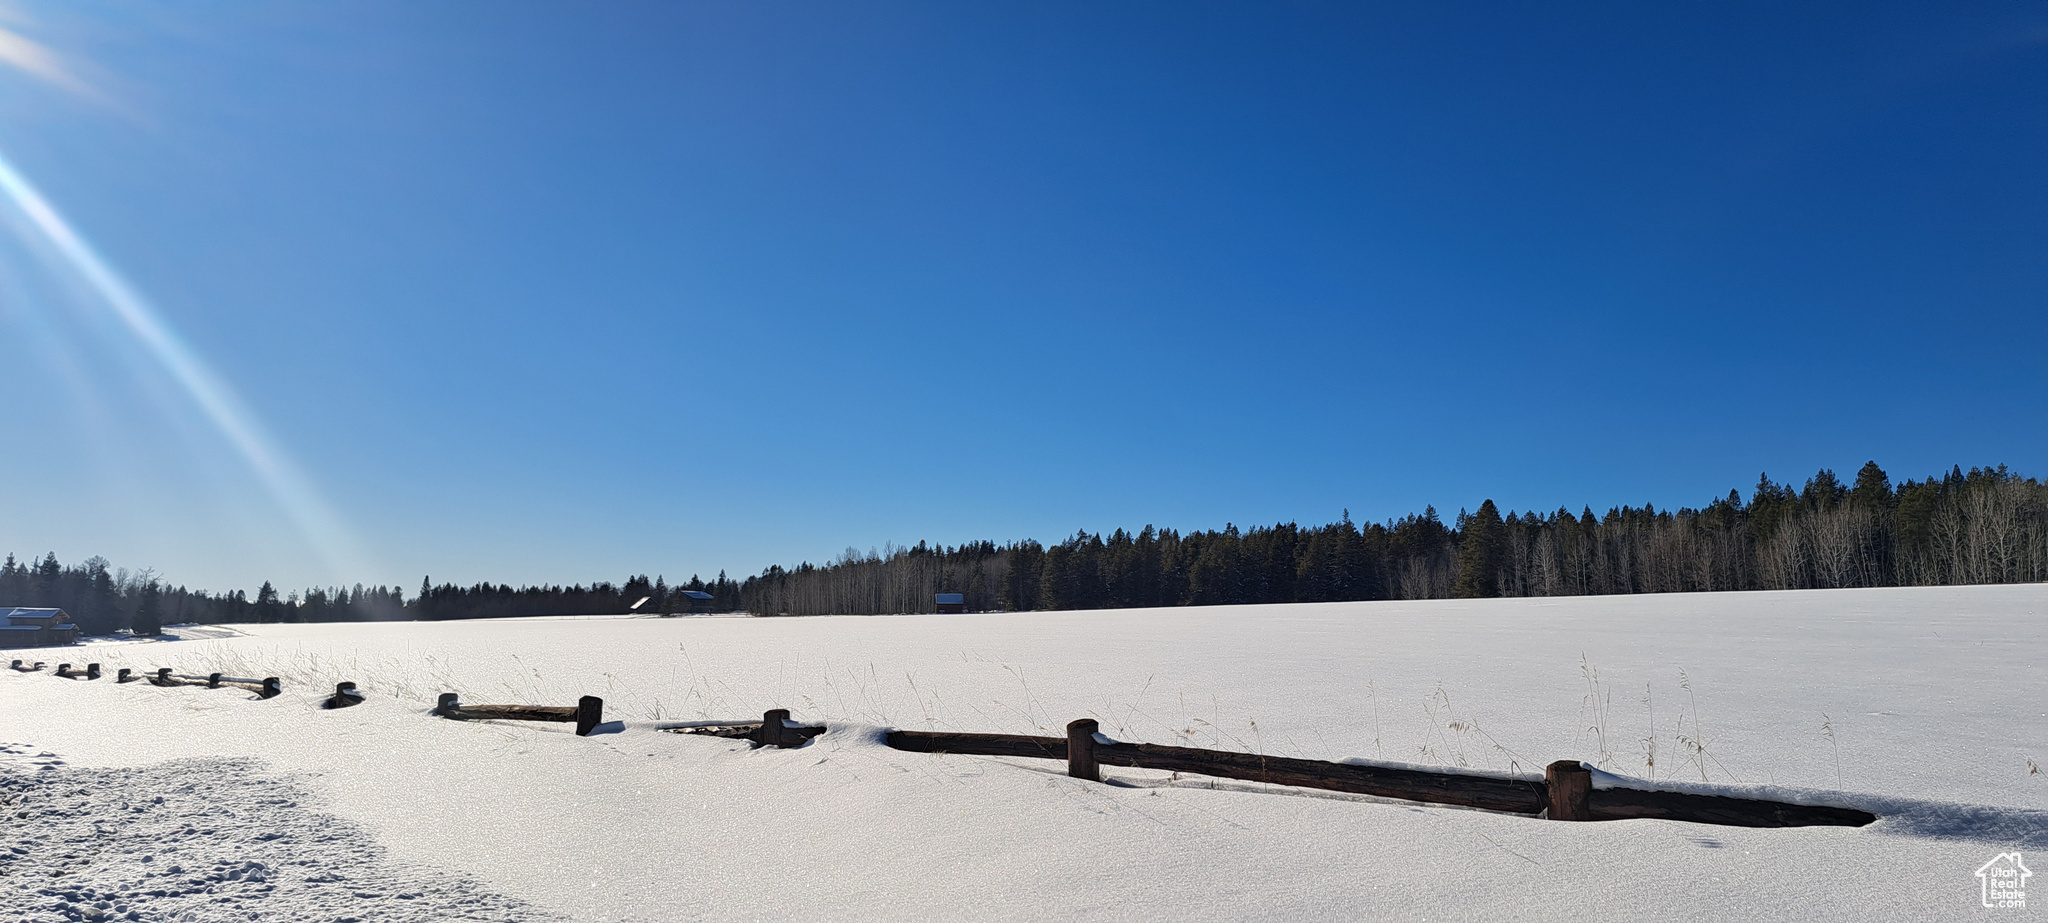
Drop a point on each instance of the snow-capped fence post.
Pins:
(1081, 750)
(589, 714)
(345, 694)
(771, 728)
(1570, 786)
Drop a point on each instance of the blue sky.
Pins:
(548, 293)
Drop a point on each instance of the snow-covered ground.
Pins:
(1929, 705)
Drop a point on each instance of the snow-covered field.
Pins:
(1929, 705)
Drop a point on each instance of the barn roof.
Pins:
(55, 615)
(957, 598)
(697, 594)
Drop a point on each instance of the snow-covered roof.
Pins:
(54, 615)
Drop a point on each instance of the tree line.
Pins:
(103, 600)
(1987, 525)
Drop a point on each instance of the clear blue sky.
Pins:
(560, 292)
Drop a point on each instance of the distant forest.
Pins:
(103, 600)
(1984, 526)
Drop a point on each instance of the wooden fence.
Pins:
(269, 687)
(1566, 791)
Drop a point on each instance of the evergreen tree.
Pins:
(1873, 488)
(1917, 502)
(1479, 553)
(1824, 491)
(149, 618)
(99, 607)
(268, 609)
(14, 584)
(46, 586)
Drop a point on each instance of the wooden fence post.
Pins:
(589, 714)
(92, 671)
(1571, 787)
(445, 703)
(163, 676)
(213, 680)
(344, 695)
(772, 734)
(272, 687)
(1081, 750)
(64, 670)
(124, 675)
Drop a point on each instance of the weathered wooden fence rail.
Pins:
(1573, 797)
(1506, 793)
(587, 713)
(773, 730)
(1044, 748)
(28, 669)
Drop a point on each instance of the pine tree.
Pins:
(14, 582)
(1823, 491)
(1873, 488)
(1479, 554)
(149, 613)
(267, 607)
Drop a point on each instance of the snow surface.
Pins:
(203, 839)
(1934, 702)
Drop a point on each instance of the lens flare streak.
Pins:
(308, 511)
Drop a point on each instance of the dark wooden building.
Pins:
(698, 600)
(36, 628)
(952, 603)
